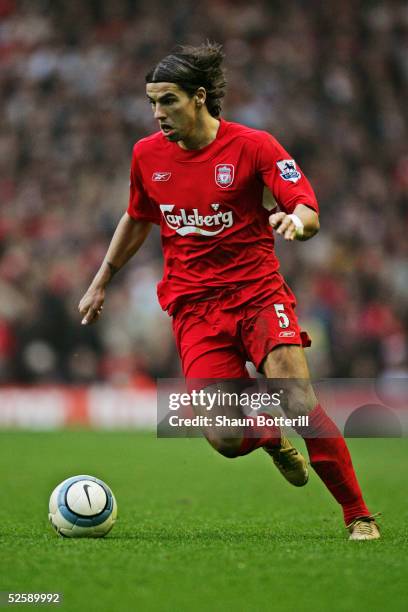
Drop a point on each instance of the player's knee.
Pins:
(300, 400)
(229, 447)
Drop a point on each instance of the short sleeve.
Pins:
(140, 206)
(281, 174)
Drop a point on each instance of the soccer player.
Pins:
(202, 179)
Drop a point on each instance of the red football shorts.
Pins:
(215, 338)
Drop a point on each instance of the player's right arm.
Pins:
(127, 239)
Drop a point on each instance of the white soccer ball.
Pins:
(82, 507)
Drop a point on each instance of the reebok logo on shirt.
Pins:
(191, 222)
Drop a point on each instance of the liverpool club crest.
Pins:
(224, 175)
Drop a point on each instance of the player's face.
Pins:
(174, 109)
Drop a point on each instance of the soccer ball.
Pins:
(82, 507)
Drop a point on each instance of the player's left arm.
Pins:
(302, 224)
(298, 218)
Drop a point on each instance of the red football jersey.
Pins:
(208, 202)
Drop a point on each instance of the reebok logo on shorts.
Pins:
(161, 176)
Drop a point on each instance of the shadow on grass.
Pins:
(233, 536)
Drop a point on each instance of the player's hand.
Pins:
(283, 224)
(91, 305)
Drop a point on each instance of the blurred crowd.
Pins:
(328, 79)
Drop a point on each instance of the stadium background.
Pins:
(330, 80)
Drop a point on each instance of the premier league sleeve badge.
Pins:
(288, 170)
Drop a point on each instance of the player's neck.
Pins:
(204, 133)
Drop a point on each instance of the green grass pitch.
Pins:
(200, 532)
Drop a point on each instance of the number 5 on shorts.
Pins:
(283, 319)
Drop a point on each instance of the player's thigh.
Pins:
(213, 361)
(286, 365)
(207, 344)
(273, 325)
(286, 361)
(219, 372)
(222, 375)
(274, 340)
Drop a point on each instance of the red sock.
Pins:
(330, 458)
(256, 436)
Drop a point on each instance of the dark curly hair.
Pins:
(194, 67)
